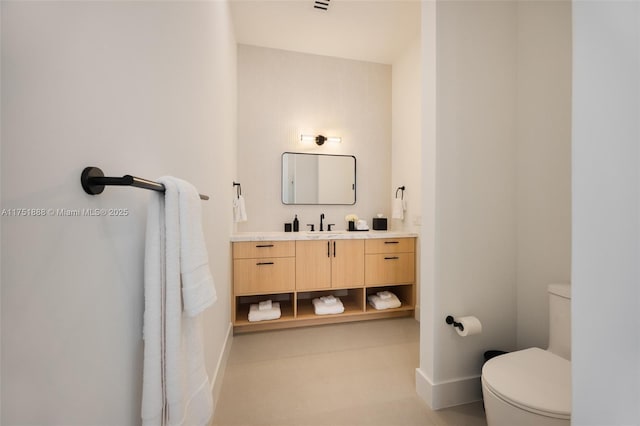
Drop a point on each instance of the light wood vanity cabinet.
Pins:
(294, 272)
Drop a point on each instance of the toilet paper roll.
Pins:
(471, 326)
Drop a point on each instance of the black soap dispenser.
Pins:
(296, 224)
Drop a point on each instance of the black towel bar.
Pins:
(93, 182)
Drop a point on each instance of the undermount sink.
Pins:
(323, 234)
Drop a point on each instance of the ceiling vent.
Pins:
(321, 4)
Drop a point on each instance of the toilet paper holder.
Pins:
(451, 321)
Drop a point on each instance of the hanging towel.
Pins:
(397, 209)
(239, 210)
(178, 287)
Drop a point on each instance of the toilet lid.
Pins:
(532, 379)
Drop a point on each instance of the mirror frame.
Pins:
(355, 179)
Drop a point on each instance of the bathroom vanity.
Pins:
(294, 268)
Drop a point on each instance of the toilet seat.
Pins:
(533, 379)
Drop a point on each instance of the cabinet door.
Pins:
(347, 263)
(313, 265)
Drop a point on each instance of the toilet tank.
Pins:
(560, 320)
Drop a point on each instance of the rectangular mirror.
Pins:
(318, 178)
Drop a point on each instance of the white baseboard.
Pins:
(448, 393)
(216, 383)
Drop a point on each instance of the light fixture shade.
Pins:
(320, 139)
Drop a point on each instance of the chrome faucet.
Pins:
(321, 219)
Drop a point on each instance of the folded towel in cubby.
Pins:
(322, 308)
(379, 303)
(255, 314)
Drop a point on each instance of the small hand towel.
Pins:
(265, 305)
(397, 209)
(255, 314)
(329, 300)
(239, 209)
(321, 308)
(385, 295)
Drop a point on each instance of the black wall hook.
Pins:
(451, 321)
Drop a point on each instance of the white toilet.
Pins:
(532, 387)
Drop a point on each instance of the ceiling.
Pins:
(365, 30)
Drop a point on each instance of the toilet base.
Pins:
(501, 413)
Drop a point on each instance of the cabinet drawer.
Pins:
(264, 275)
(262, 249)
(394, 268)
(389, 245)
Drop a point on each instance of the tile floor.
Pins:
(340, 375)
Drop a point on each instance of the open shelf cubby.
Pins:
(405, 294)
(352, 299)
(243, 304)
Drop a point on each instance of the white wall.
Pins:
(543, 162)
(406, 152)
(406, 131)
(475, 192)
(499, 196)
(606, 207)
(283, 94)
(146, 88)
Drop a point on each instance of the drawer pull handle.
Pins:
(264, 263)
(264, 245)
(392, 242)
(392, 258)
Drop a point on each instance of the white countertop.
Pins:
(318, 235)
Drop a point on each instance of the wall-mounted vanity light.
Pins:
(320, 140)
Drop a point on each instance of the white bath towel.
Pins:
(239, 209)
(397, 208)
(178, 287)
(255, 314)
(265, 305)
(321, 308)
(378, 303)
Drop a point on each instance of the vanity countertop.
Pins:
(318, 235)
